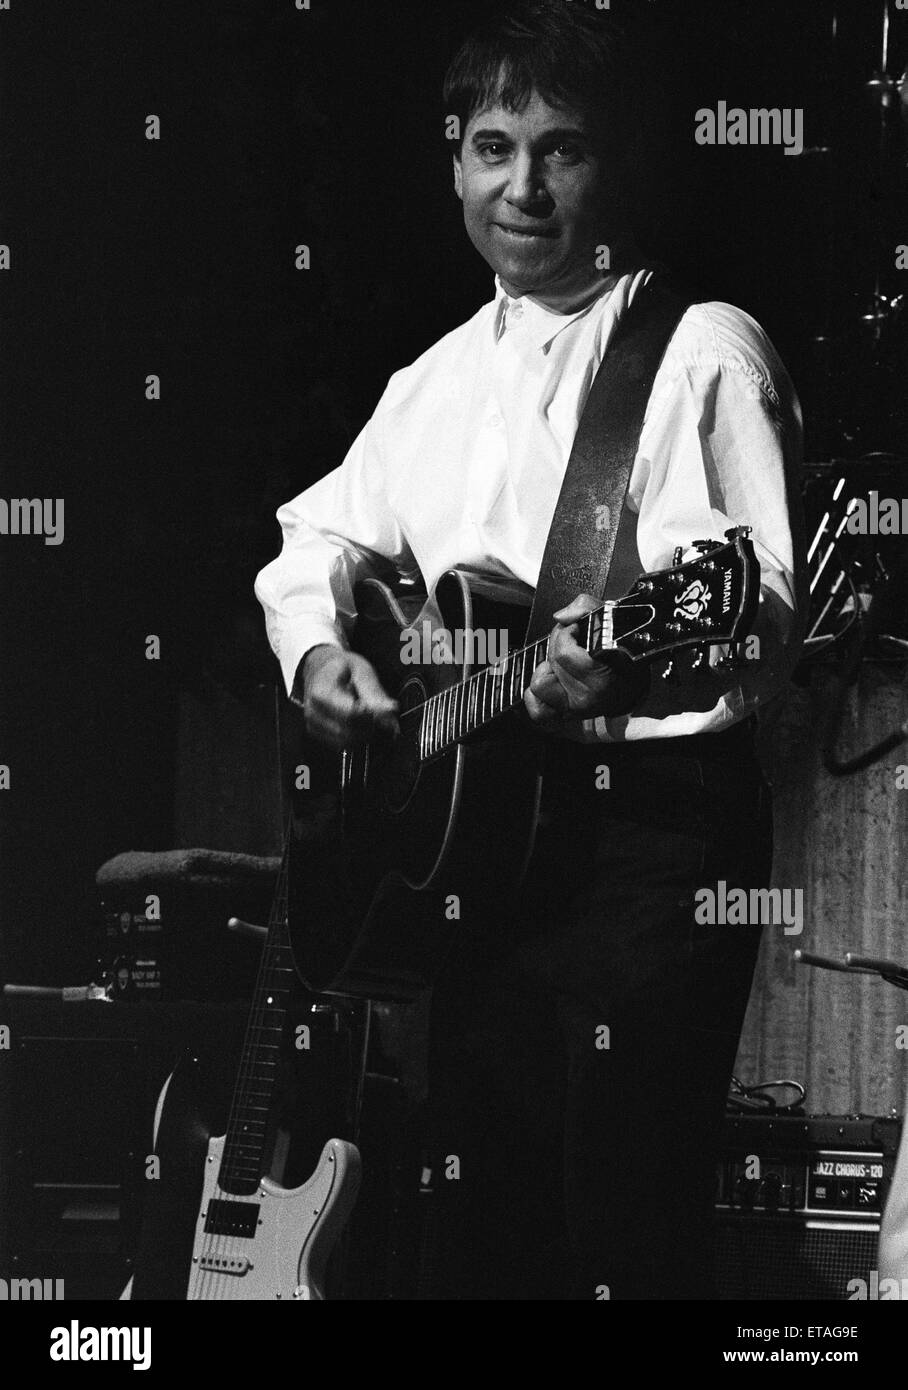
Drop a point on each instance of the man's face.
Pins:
(532, 188)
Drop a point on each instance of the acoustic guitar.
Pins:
(430, 830)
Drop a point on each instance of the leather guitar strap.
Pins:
(591, 505)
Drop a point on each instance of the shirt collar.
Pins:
(537, 324)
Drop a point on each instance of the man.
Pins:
(579, 1067)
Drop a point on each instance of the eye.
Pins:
(566, 152)
(492, 152)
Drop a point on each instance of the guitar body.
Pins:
(419, 853)
(274, 1243)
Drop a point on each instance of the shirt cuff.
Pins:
(314, 632)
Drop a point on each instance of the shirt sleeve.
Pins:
(334, 533)
(721, 447)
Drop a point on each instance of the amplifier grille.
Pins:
(766, 1258)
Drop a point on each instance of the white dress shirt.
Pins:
(463, 459)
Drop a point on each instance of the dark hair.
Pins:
(570, 56)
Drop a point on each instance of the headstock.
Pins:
(708, 601)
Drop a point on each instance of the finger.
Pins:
(546, 686)
(575, 610)
(343, 705)
(563, 642)
(538, 710)
(576, 691)
(344, 722)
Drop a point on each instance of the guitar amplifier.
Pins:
(799, 1201)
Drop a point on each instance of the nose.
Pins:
(526, 188)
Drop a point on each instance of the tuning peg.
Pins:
(733, 661)
(250, 929)
(669, 670)
(705, 547)
(699, 654)
(736, 531)
(676, 558)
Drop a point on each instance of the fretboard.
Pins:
(462, 709)
(244, 1145)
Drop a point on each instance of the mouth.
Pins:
(526, 234)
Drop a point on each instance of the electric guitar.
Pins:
(432, 827)
(216, 1227)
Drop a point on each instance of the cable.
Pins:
(757, 1097)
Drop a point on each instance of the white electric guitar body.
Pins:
(274, 1244)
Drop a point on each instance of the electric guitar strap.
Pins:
(591, 505)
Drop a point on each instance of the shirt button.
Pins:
(515, 311)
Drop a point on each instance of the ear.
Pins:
(458, 177)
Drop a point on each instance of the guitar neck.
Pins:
(469, 705)
(244, 1145)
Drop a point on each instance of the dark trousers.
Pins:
(580, 1059)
